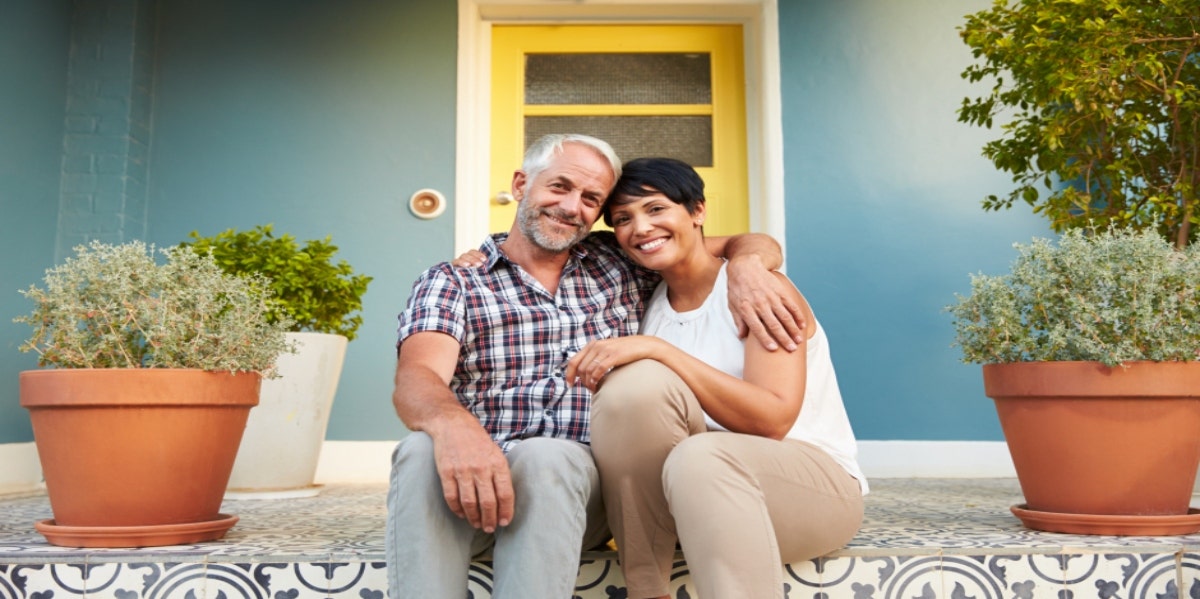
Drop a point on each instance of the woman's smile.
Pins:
(652, 245)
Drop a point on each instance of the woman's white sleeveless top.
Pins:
(710, 334)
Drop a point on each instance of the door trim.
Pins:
(764, 135)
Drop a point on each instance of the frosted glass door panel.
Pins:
(686, 138)
(649, 78)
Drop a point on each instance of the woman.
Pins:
(743, 454)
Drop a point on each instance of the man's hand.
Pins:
(476, 481)
(760, 306)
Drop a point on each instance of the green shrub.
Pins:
(308, 287)
(1112, 296)
(114, 306)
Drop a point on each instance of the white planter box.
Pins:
(279, 451)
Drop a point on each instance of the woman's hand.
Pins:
(470, 259)
(598, 358)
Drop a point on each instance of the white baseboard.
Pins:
(935, 459)
(354, 462)
(370, 461)
(20, 470)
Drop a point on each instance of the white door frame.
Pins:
(764, 136)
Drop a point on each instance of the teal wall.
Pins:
(34, 39)
(322, 118)
(884, 222)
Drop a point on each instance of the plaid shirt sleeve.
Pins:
(436, 304)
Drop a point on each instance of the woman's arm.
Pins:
(766, 402)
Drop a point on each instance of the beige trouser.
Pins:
(740, 505)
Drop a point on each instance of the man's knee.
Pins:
(415, 444)
(553, 471)
(413, 467)
(540, 457)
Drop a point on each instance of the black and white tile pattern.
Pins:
(923, 539)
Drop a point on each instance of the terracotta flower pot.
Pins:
(1120, 445)
(147, 448)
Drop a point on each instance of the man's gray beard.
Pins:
(527, 222)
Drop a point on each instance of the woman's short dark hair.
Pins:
(641, 177)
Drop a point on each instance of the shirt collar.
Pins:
(491, 249)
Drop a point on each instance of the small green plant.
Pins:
(308, 288)
(114, 306)
(1110, 296)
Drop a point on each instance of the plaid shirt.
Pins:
(516, 337)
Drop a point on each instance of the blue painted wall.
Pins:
(884, 222)
(324, 117)
(34, 36)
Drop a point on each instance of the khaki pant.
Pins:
(740, 505)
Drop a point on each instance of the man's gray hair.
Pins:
(541, 152)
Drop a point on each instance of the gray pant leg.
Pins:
(428, 547)
(559, 511)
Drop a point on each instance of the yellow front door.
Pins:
(649, 90)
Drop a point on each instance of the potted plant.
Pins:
(321, 298)
(153, 371)
(1089, 348)
(1100, 107)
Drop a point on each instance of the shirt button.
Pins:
(548, 412)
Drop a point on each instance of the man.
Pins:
(498, 456)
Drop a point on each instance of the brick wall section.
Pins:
(106, 146)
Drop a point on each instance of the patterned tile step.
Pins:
(1029, 576)
(922, 539)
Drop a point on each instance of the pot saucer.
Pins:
(1102, 524)
(136, 536)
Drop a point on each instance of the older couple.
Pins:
(558, 374)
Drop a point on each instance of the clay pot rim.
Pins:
(1083, 379)
(152, 369)
(91, 387)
